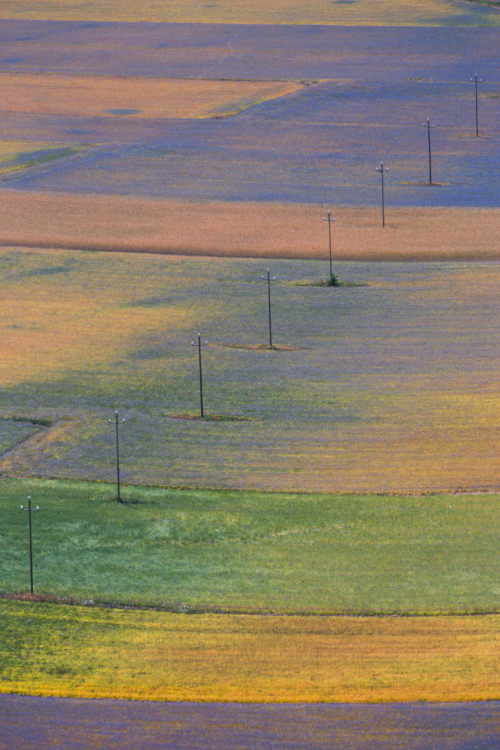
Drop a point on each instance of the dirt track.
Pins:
(245, 229)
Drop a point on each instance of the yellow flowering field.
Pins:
(363, 12)
(52, 649)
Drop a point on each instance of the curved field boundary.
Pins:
(256, 230)
(360, 12)
(129, 725)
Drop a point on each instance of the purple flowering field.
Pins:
(129, 725)
(366, 93)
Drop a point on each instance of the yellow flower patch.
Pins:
(362, 12)
(82, 652)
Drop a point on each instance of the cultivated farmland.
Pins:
(87, 96)
(214, 149)
(80, 652)
(244, 230)
(352, 101)
(128, 723)
(387, 385)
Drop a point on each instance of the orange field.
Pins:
(93, 96)
(362, 12)
(245, 229)
(59, 328)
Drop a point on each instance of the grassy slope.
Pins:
(254, 552)
(385, 387)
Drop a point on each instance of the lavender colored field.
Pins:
(132, 725)
(245, 51)
(369, 91)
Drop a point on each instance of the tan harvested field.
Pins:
(93, 96)
(361, 12)
(260, 230)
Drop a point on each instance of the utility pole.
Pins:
(329, 218)
(427, 124)
(475, 81)
(382, 169)
(199, 343)
(269, 278)
(30, 511)
(117, 445)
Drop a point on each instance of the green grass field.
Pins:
(253, 552)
